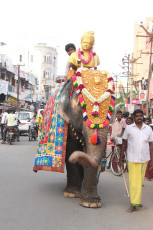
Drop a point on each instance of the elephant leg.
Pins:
(74, 171)
(89, 196)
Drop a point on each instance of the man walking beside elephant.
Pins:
(138, 140)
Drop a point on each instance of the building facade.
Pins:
(46, 68)
(141, 48)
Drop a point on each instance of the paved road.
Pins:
(30, 201)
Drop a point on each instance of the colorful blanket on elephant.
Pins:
(51, 148)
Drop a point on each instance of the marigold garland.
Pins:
(79, 87)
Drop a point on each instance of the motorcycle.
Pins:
(10, 135)
(32, 132)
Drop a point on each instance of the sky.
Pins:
(58, 22)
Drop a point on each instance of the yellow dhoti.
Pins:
(136, 178)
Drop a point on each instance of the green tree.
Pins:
(122, 100)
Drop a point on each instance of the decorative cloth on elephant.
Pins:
(102, 166)
(51, 148)
(95, 91)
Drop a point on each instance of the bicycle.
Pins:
(114, 160)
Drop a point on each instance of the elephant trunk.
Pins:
(84, 159)
(93, 153)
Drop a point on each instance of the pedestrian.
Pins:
(129, 120)
(70, 68)
(10, 122)
(118, 128)
(39, 122)
(16, 126)
(147, 121)
(34, 123)
(125, 116)
(149, 173)
(35, 113)
(3, 122)
(138, 140)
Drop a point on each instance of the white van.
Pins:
(24, 118)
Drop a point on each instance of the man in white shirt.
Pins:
(138, 140)
(118, 128)
(10, 121)
(3, 122)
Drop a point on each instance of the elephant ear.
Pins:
(63, 108)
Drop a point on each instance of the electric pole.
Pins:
(150, 36)
(130, 61)
(126, 60)
(18, 88)
(116, 81)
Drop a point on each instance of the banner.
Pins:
(143, 95)
(151, 89)
(3, 87)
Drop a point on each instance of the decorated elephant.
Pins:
(75, 126)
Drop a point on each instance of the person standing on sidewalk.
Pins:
(138, 140)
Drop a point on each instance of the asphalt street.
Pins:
(34, 201)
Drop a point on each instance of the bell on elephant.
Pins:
(78, 110)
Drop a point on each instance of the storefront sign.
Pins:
(12, 100)
(131, 108)
(142, 95)
(136, 101)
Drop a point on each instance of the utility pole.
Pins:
(126, 60)
(150, 36)
(18, 88)
(130, 61)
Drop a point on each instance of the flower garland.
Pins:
(95, 101)
(81, 53)
(79, 88)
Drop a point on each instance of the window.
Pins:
(47, 74)
(48, 59)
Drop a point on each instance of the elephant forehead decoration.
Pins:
(95, 92)
(96, 83)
